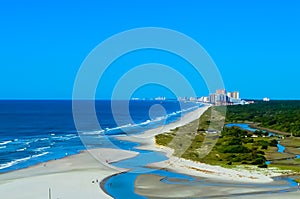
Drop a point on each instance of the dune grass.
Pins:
(229, 147)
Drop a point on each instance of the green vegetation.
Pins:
(231, 146)
(281, 116)
(291, 142)
(201, 141)
(191, 141)
(166, 138)
(294, 168)
(236, 146)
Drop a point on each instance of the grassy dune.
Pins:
(231, 146)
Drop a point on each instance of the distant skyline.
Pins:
(255, 44)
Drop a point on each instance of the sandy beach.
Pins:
(79, 176)
(147, 139)
(73, 176)
(76, 176)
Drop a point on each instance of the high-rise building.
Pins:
(212, 98)
(236, 95)
(229, 94)
(221, 92)
(221, 97)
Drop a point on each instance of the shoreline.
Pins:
(147, 138)
(82, 168)
(104, 180)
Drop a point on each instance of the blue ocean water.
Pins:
(35, 131)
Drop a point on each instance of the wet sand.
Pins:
(153, 186)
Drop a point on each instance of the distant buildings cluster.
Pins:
(190, 99)
(160, 98)
(221, 97)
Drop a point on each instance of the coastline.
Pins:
(147, 138)
(78, 172)
(75, 172)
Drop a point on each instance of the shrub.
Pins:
(263, 165)
(260, 152)
(273, 143)
(262, 143)
(259, 161)
(235, 141)
(248, 140)
(236, 159)
(234, 149)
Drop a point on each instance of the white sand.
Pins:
(208, 171)
(70, 177)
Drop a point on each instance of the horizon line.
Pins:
(133, 99)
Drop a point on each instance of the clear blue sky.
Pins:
(254, 43)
